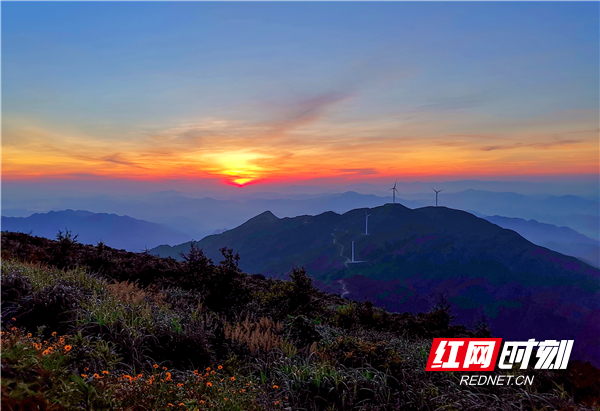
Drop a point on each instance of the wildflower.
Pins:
(28, 335)
(86, 369)
(196, 372)
(84, 375)
(168, 376)
(212, 372)
(225, 399)
(96, 375)
(170, 405)
(180, 384)
(181, 404)
(13, 329)
(54, 334)
(220, 367)
(276, 402)
(164, 368)
(155, 365)
(232, 378)
(68, 348)
(275, 387)
(207, 368)
(209, 384)
(243, 390)
(45, 352)
(201, 401)
(139, 375)
(14, 319)
(103, 372)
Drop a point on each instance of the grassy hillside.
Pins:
(93, 328)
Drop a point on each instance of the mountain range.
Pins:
(199, 216)
(411, 257)
(121, 232)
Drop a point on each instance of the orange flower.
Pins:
(164, 368)
(68, 348)
(209, 384)
(168, 376)
(180, 384)
(84, 375)
(46, 352)
(181, 404)
(276, 402)
(225, 399)
(232, 378)
(155, 365)
(103, 372)
(97, 376)
(139, 375)
(275, 387)
(201, 401)
(207, 368)
(14, 319)
(54, 334)
(28, 335)
(196, 372)
(170, 405)
(220, 367)
(86, 369)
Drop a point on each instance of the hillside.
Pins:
(412, 256)
(91, 327)
(115, 231)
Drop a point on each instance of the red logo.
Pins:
(463, 354)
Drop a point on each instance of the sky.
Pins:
(236, 94)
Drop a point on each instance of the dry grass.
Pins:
(257, 335)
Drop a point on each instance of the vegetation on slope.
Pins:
(95, 328)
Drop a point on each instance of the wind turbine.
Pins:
(367, 222)
(436, 194)
(394, 191)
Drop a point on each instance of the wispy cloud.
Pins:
(544, 144)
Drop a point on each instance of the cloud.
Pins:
(548, 144)
(359, 171)
(305, 111)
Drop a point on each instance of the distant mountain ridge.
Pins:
(411, 256)
(561, 239)
(121, 232)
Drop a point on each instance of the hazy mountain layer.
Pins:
(115, 231)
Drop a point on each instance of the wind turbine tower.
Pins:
(436, 195)
(352, 251)
(367, 223)
(394, 191)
